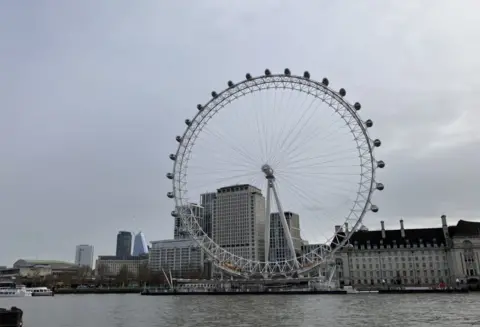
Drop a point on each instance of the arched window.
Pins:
(469, 258)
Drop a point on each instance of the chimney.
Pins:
(346, 228)
(445, 227)
(402, 229)
(384, 235)
(338, 229)
(444, 221)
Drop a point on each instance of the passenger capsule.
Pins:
(357, 106)
(380, 186)
(170, 195)
(199, 107)
(169, 175)
(381, 164)
(248, 76)
(342, 92)
(174, 214)
(374, 208)
(306, 74)
(214, 94)
(188, 122)
(377, 143)
(369, 123)
(178, 138)
(287, 72)
(267, 72)
(172, 157)
(325, 81)
(230, 84)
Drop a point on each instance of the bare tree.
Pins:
(144, 274)
(101, 272)
(123, 275)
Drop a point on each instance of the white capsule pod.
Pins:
(374, 208)
(172, 157)
(169, 175)
(170, 195)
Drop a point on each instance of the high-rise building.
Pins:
(84, 255)
(124, 244)
(182, 258)
(140, 244)
(238, 223)
(207, 201)
(279, 250)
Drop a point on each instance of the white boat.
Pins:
(351, 290)
(40, 291)
(9, 289)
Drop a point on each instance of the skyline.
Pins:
(108, 90)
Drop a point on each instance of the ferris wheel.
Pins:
(278, 148)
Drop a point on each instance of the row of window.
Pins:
(403, 273)
(403, 265)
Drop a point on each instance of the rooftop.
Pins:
(51, 263)
(417, 236)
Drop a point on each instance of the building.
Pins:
(111, 266)
(279, 250)
(124, 244)
(84, 255)
(238, 224)
(40, 268)
(140, 245)
(207, 201)
(423, 256)
(183, 258)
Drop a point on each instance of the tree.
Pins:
(144, 274)
(193, 274)
(101, 272)
(157, 278)
(83, 273)
(123, 275)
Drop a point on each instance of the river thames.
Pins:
(131, 310)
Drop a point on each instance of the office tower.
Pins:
(207, 201)
(279, 250)
(139, 244)
(239, 221)
(124, 244)
(84, 255)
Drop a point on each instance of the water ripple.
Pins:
(250, 311)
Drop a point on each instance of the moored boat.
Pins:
(10, 289)
(40, 291)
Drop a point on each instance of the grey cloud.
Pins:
(92, 96)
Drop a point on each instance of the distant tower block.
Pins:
(140, 245)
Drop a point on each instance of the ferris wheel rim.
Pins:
(233, 92)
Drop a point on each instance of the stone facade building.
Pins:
(425, 256)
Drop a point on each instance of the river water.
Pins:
(131, 310)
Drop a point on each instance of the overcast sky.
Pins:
(92, 95)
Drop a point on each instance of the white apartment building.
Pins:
(181, 257)
(84, 255)
(238, 223)
(423, 256)
(279, 250)
(109, 265)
